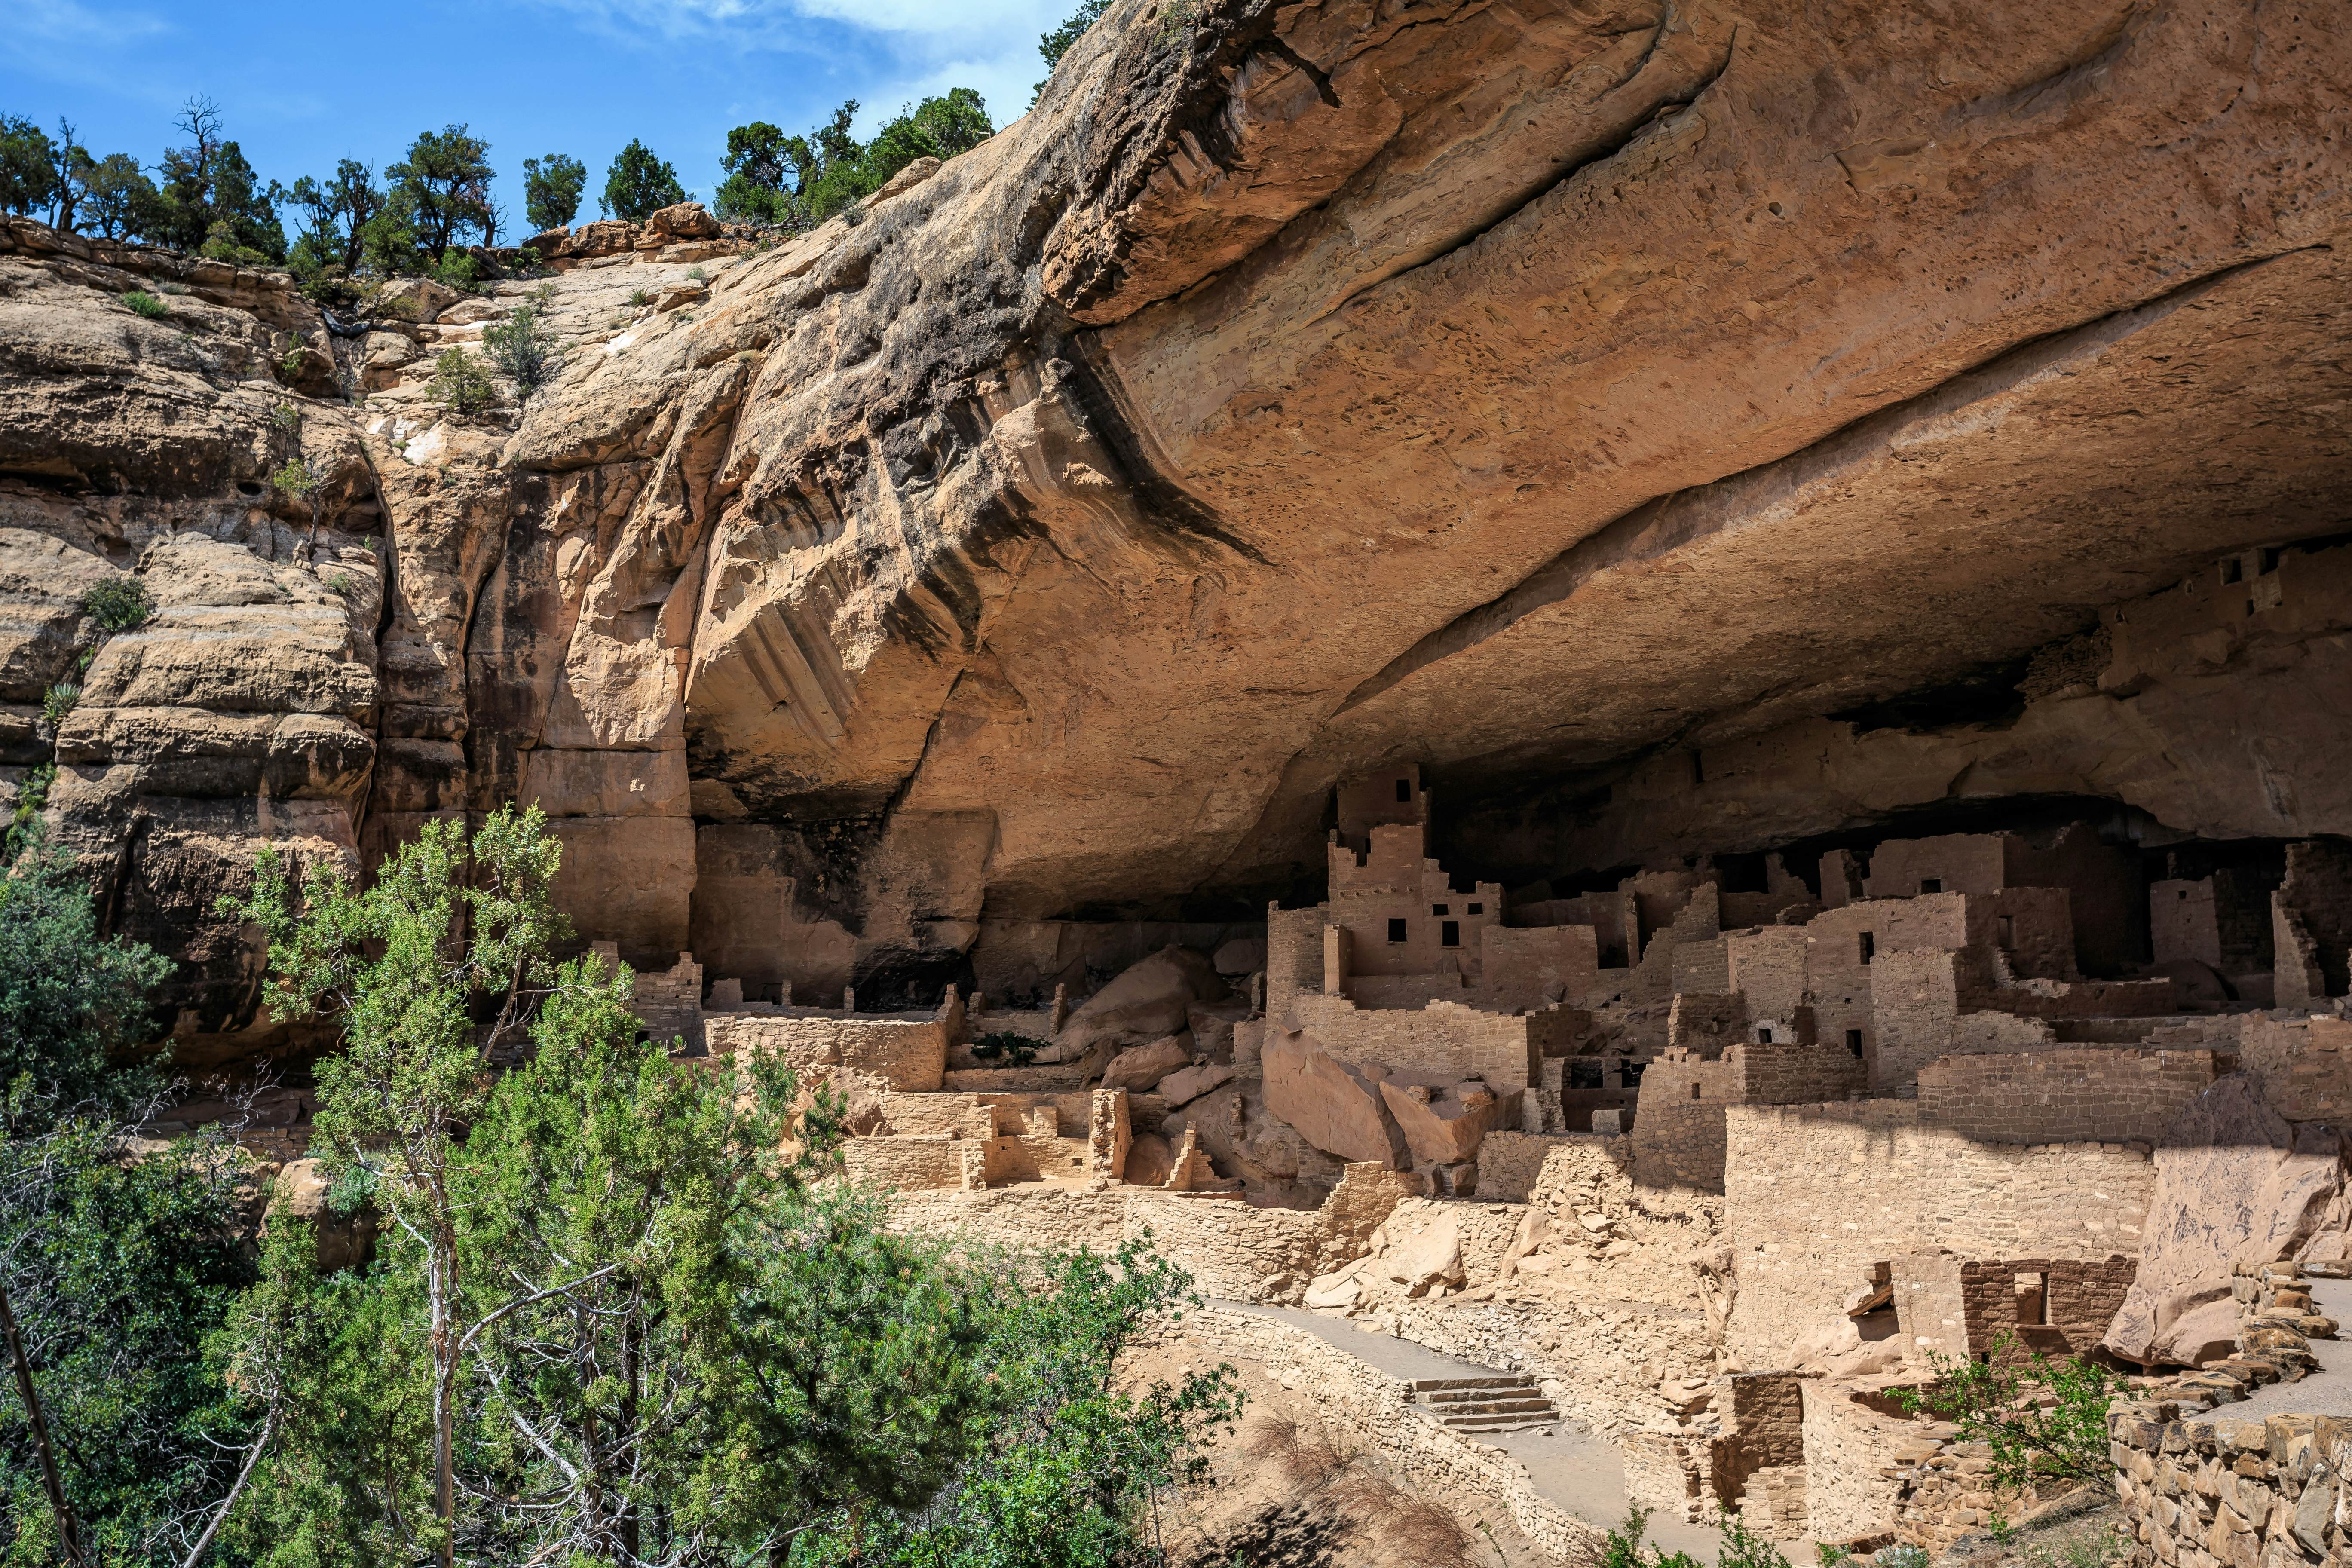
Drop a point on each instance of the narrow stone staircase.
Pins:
(1483, 1403)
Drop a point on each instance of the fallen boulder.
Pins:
(1335, 1106)
(1140, 1067)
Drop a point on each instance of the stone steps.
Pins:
(1483, 1404)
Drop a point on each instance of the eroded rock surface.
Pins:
(1548, 395)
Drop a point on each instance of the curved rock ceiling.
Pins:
(1582, 400)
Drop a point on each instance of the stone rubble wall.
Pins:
(2204, 1489)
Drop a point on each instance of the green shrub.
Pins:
(1019, 1050)
(119, 604)
(145, 304)
(697, 275)
(1905, 1556)
(286, 417)
(639, 298)
(290, 364)
(523, 346)
(25, 822)
(294, 478)
(59, 700)
(458, 270)
(2045, 1422)
(339, 584)
(459, 383)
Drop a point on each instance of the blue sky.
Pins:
(301, 84)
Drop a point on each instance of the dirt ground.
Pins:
(2080, 1530)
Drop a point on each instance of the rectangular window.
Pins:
(2032, 1301)
(1854, 1041)
(1764, 1036)
(1481, 908)
(1931, 884)
(2269, 561)
(1450, 933)
(1869, 947)
(1396, 930)
(1437, 909)
(2232, 572)
(1404, 791)
(2005, 931)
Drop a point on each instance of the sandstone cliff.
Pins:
(1556, 396)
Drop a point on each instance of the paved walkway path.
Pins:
(1571, 1467)
(2329, 1391)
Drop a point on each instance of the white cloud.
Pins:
(931, 45)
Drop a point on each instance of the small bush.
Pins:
(1991, 1404)
(294, 478)
(145, 304)
(59, 700)
(286, 417)
(521, 346)
(458, 270)
(459, 383)
(24, 824)
(1019, 1050)
(171, 288)
(291, 366)
(1906, 1556)
(696, 274)
(339, 584)
(639, 298)
(119, 604)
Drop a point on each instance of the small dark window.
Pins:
(1481, 908)
(1437, 909)
(1854, 1041)
(1764, 1036)
(1404, 790)
(2184, 895)
(1396, 930)
(1583, 1074)
(2006, 931)
(2231, 572)
(2270, 560)
(1869, 947)
(1931, 884)
(1450, 933)
(1695, 1091)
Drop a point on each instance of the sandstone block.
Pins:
(1445, 1128)
(1140, 1067)
(1150, 1000)
(1331, 1104)
(1189, 1084)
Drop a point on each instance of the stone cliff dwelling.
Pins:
(1673, 717)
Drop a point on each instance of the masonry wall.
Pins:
(1530, 968)
(2221, 1491)
(1768, 965)
(1853, 1487)
(1816, 1196)
(930, 1160)
(906, 1054)
(2059, 1096)
(1790, 1072)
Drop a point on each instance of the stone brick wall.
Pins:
(1786, 1072)
(1769, 966)
(2058, 1095)
(2312, 923)
(1817, 1196)
(930, 1160)
(906, 1054)
(1526, 968)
